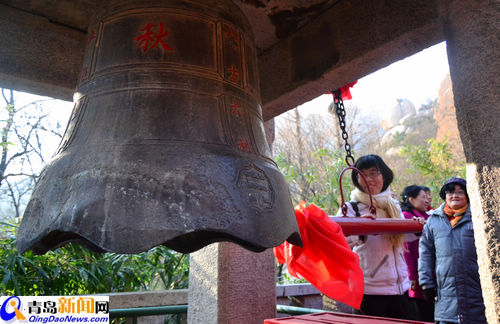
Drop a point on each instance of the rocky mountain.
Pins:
(446, 119)
(404, 124)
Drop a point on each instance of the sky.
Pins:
(416, 78)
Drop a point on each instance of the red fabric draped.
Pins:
(325, 260)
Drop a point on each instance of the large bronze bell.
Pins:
(166, 142)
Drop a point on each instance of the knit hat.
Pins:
(458, 181)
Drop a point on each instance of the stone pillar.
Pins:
(228, 284)
(472, 30)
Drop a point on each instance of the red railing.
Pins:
(368, 226)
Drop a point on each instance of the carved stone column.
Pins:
(472, 30)
(228, 284)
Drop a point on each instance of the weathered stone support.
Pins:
(228, 284)
(472, 30)
(39, 56)
(348, 41)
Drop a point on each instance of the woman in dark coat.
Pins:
(447, 249)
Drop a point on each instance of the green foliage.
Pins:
(318, 183)
(434, 163)
(284, 278)
(74, 270)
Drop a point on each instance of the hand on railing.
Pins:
(420, 220)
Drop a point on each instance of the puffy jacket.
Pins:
(384, 268)
(450, 253)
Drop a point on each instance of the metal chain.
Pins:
(340, 111)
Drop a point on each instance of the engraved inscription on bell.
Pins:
(260, 191)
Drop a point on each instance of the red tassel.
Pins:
(345, 91)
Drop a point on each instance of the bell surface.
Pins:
(166, 143)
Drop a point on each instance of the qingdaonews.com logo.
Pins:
(54, 309)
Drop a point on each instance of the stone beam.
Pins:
(348, 41)
(39, 56)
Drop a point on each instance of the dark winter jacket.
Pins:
(450, 253)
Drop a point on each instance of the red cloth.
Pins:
(345, 91)
(325, 260)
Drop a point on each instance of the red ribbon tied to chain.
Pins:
(325, 260)
(346, 91)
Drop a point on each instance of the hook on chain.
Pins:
(343, 206)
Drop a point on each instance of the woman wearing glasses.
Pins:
(380, 256)
(447, 266)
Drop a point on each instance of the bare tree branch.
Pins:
(18, 174)
(15, 201)
(22, 153)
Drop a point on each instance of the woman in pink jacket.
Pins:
(415, 203)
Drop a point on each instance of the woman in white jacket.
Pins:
(380, 256)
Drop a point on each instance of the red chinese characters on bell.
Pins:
(152, 37)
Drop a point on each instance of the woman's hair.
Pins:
(370, 161)
(426, 189)
(450, 187)
(409, 192)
